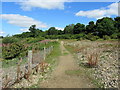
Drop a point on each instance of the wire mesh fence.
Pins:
(13, 74)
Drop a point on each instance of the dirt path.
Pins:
(59, 79)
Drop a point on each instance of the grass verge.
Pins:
(52, 59)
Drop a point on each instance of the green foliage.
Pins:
(117, 23)
(78, 36)
(52, 31)
(32, 28)
(14, 50)
(92, 31)
(40, 46)
(8, 40)
(105, 26)
(12, 62)
(79, 28)
(69, 29)
(91, 37)
(94, 38)
(114, 36)
(34, 40)
(90, 28)
(105, 37)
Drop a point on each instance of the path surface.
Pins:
(59, 79)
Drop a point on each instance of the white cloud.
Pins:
(46, 4)
(1, 32)
(59, 28)
(22, 21)
(24, 30)
(99, 13)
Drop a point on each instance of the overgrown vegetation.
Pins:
(14, 50)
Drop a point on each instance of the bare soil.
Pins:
(59, 78)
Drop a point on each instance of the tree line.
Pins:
(105, 28)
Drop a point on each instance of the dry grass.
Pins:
(92, 59)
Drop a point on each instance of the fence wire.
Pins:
(9, 75)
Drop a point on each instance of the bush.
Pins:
(34, 40)
(14, 50)
(40, 46)
(94, 38)
(9, 40)
(114, 36)
(91, 37)
(106, 37)
(78, 36)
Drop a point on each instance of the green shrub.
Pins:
(40, 46)
(78, 36)
(91, 37)
(114, 36)
(94, 38)
(9, 40)
(105, 37)
(34, 40)
(13, 51)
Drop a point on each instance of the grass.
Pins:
(73, 72)
(54, 54)
(70, 48)
(13, 62)
(65, 53)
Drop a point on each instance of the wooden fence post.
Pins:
(18, 70)
(30, 61)
(44, 53)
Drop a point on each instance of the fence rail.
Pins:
(15, 73)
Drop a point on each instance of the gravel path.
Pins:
(59, 79)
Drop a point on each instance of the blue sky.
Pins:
(17, 17)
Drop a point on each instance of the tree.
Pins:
(32, 28)
(105, 26)
(69, 29)
(79, 28)
(60, 32)
(52, 31)
(34, 31)
(117, 23)
(90, 28)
